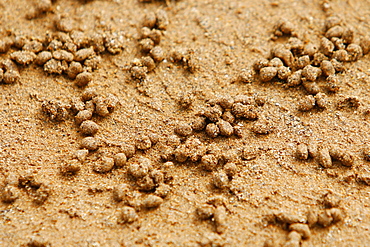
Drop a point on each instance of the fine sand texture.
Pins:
(195, 123)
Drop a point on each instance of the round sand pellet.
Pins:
(212, 130)
(103, 165)
(220, 180)
(83, 54)
(143, 142)
(90, 143)
(324, 158)
(275, 62)
(307, 103)
(120, 160)
(302, 151)
(230, 169)
(128, 149)
(140, 168)
(225, 128)
(268, 73)
(183, 129)
(83, 79)
(83, 116)
(157, 53)
(311, 73)
(205, 211)
(23, 57)
(152, 201)
(302, 229)
(127, 215)
(209, 162)
(89, 128)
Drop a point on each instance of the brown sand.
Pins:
(245, 188)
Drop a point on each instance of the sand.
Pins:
(212, 151)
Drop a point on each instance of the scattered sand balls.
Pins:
(90, 143)
(89, 128)
(183, 129)
(103, 165)
(128, 215)
(307, 103)
(152, 201)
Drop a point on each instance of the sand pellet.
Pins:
(220, 217)
(90, 143)
(11, 76)
(302, 151)
(303, 61)
(245, 111)
(143, 142)
(157, 53)
(311, 73)
(212, 130)
(307, 103)
(152, 201)
(323, 158)
(81, 154)
(268, 73)
(346, 157)
(83, 54)
(354, 52)
(311, 86)
(220, 180)
(23, 57)
(327, 68)
(205, 211)
(120, 160)
(226, 129)
(209, 162)
(83, 79)
(322, 101)
(127, 215)
(89, 128)
(70, 168)
(140, 168)
(74, 69)
(33, 46)
(8, 194)
(43, 57)
(341, 55)
(183, 129)
(302, 229)
(294, 79)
